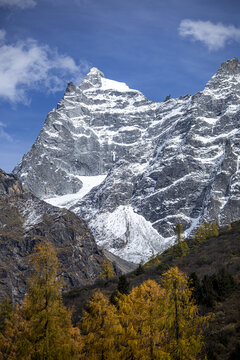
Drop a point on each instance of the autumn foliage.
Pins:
(153, 321)
(206, 230)
(41, 328)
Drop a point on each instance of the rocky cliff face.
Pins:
(154, 164)
(26, 220)
(94, 126)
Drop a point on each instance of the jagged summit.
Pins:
(95, 80)
(226, 79)
(91, 80)
(95, 70)
(146, 165)
(231, 66)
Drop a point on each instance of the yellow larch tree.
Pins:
(142, 314)
(107, 270)
(13, 343)
(101, 330)
(44, 329)
(50, 328)
(206, 230)
(6, 309)
(183, 323)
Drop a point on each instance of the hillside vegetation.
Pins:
(208, 259)
(167, 327)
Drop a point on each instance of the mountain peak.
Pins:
(231, 66)
(171, 162)
(92, 79)
(96, 71)
(227, 72)
(95, 79)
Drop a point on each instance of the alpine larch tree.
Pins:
(42, 328)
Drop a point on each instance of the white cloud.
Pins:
(214, 36)
(27, 65)
(22, 4)
(4, 134)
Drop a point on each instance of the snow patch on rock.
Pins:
(114, 85)
(128, 235)
(88, 183)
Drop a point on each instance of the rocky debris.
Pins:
(121, 264)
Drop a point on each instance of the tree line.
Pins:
(153, 321)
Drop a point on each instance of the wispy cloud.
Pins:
(27, 65)
(22, 4)
(214, 36)
(3, 134)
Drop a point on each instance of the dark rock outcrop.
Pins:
(24, 221)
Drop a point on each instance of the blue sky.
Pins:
(159, 47)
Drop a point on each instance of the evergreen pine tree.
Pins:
(207, 292)
(181, 248)
(179, 232)
(139, 270)
(122, 288)
(223, 284)
(195, 287)
(123, 285)
(114, 298)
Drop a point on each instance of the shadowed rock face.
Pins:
(171, 162)
(25, 221)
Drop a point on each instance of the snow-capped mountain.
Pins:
(134, 168)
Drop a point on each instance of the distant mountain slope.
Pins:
(24, 221)
(205, 258)
(159, 163)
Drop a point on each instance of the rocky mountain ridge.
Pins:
(24, 221)
(154, 164)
